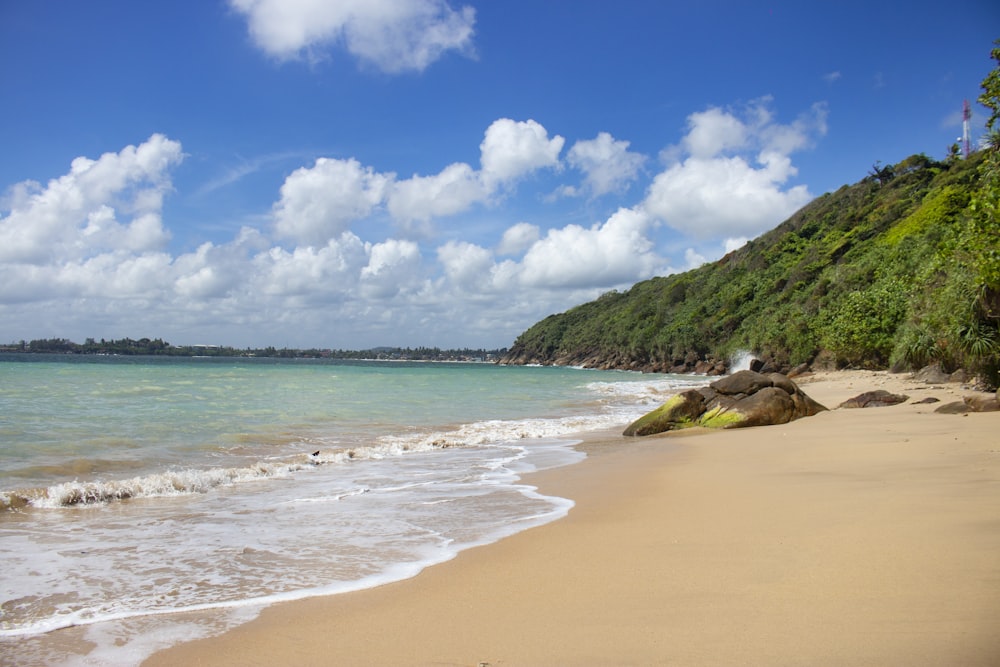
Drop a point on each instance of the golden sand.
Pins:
(855, 537)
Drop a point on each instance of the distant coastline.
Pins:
(159, 347)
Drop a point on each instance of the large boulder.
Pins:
(745, 398)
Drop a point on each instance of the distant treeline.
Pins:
(159, 347)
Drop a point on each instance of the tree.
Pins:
(980, 335)
(882, 174)
(984, 236)
(990, 97)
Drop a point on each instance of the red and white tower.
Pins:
(966, 117)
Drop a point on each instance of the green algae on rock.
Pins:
(742, 399)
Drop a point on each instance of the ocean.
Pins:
(145, 501)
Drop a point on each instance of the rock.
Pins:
(756, 365)
(703, 367)
(768, 405)
(982, 403)
(742, 399)
(679, 411)
(770, 367)
(931, 374)
(879, 398)
(805, 406)
(929, 399)
(782, 382)
(974, 403)
(799, 370)
(953, 408)
(743, 382)
(960, 376)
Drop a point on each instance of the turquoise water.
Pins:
(96, 416)
(137, 489)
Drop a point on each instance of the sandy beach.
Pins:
(855, 537)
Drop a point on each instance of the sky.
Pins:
(358, 173)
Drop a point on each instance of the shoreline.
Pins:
(863, 537)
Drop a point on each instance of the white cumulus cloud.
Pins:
(87, 253)
(393, 267)
(611, 253)
(731, 179)
(392, 35)
(320, 202)
(113, 202)
(714, 131)
(453, 190)
(518, 238)
(606, 162)
(311, 271)
(466, 264)
(512, 149)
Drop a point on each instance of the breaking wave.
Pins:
(193, 481)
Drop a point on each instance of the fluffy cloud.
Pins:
(518, 238)
(392, 35)
(608, 254)
(311, 271)
(714, 131)
(393, 268)
(732, 180)
(512, 149)
(79, 212)
(421, 198)
(725, 195)
(320, 202)
(607, 164)
(87, 253)
(466, 265)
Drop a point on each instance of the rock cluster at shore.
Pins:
(745, 398)
(691, 364)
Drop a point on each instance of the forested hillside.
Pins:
(899, 269)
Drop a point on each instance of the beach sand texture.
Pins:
(855, 537)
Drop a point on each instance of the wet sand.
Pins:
(855, 537)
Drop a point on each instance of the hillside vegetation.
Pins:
(878, 273)
(898, 270)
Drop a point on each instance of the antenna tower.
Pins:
(966, 117)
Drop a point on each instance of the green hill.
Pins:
(883, 272)
(900, 269)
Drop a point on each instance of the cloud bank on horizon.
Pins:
(352, 254)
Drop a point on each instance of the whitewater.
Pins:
(146, 501)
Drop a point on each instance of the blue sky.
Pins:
(428, 172)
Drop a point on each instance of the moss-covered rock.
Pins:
(742, 399)
(680, 411)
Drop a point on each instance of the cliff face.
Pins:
(871, 275)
